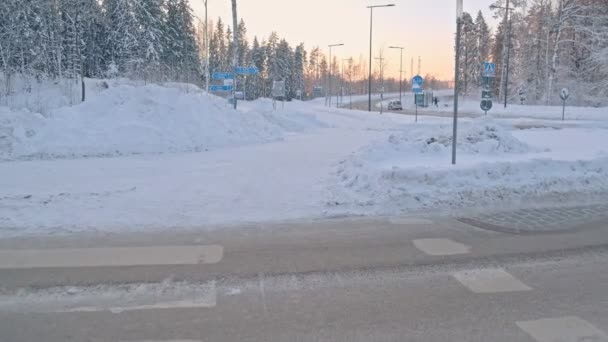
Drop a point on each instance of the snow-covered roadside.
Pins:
(130, 119)
(298, 162)
(497, 165)
(471, 106)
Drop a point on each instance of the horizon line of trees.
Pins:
(553, 44)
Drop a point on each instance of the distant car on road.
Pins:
(395, 105)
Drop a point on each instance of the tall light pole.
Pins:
(206, 50)
(507, 44)
(331, 64)
(235, 49)
(456, 76)
(342, 81)
(369, 79)
(381, 60)
(400, 68)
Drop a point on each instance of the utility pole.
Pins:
(331, 64)
(235, 42)
(506, 45)
(419, 64)
(459, 13)
(206, 35)
(369, 79)
(381, 59)
(400, 69)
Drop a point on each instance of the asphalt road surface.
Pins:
(524, 275)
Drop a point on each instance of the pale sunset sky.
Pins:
(425, 28)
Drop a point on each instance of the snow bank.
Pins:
(412, 171)
(482, 136)
(135, 119)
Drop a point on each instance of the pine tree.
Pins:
(182, 51)
(299, 67)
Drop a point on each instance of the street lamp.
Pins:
(342, 82)
(206, 35)
(381, 59)
(369, 80)
(400, 68)
(456, 76)
(507, 42)
(330, 67)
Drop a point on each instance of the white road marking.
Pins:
(490, 281)
(562, 329)
(441, 246)
(110, 256)
(409, 220)
(202, 298)
(162, 341)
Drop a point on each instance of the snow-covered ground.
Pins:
(149, 157)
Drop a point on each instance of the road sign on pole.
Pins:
(489, 69)
(221, 88)
(223, 75)
(417, 81)
(247, 70)
(564, 94)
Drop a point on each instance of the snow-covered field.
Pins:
(160, 157)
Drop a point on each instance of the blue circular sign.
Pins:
(417, 80)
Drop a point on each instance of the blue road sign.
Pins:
(417, 90)
(246, 70)
(417, 81)
(489, 69)
(220, 88)
(223, 75)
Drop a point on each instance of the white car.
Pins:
(395, 105)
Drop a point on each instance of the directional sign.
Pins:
(220, 88)
(222, 75)
(246, 70)
(417, 90)
(489, 69)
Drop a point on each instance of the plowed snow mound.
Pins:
(130, 119)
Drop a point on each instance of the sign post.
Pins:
(489, 73)
(417, 82)
(246, 71)
(564, 94)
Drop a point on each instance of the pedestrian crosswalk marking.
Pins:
(490, 281)
(110, 256)
(562, 329)
(441, 246)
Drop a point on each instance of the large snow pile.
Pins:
(131, 119)
(412, 170)
(483, 136)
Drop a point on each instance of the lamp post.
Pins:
(456, 76)
(331, 64)
(507, 43)
(342, 82)
(381, 60)
(206, 50)
(369, 80)
(400, 68)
